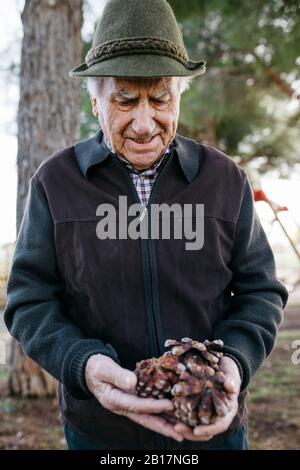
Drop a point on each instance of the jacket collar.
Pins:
(93, 151)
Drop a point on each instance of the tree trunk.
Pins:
(48, 120)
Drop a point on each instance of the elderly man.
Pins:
(87, 306)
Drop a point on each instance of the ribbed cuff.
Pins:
(74, 364)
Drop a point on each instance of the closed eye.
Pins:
(126, 103)
(158, 101)
(130, 102)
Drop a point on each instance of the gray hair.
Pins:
(94, 84)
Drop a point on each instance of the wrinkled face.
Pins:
(139, 118)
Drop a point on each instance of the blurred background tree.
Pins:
(48, 119)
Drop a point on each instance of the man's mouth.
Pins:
(143, 141)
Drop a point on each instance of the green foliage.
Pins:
(242, 104)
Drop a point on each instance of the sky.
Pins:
(284, 192)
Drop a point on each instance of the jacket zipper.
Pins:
(150, 274)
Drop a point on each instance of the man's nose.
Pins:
(143, 123)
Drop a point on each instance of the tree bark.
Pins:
(48, 120)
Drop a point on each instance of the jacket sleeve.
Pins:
(35, 314)
(258, 297)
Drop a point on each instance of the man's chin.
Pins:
(144, 160)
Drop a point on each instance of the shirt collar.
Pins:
(93, 151)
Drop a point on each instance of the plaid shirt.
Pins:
(142, 179)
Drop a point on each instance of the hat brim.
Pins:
(140, 66)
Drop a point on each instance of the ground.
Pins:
(274, 401)
(274, 408)
(30, 424)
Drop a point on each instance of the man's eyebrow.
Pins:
(123, 93)
(161, 94)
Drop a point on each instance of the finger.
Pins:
(218, 427)
(182, 428)
(231, 386)
(111, 372)
(232, 375)
(156, 424)
(205, 430)
(191, 437)
(187, 433)
(116, 399)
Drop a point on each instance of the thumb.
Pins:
(116, 375)
(232, 375)
(230, 385)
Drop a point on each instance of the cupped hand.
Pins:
(232, 384)
(114, 388)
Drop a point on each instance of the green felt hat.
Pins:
(138, 38)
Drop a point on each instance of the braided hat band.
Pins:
(137, 46)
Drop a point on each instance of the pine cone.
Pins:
(157, 376)
(188, 375)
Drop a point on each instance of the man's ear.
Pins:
(94, 106)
